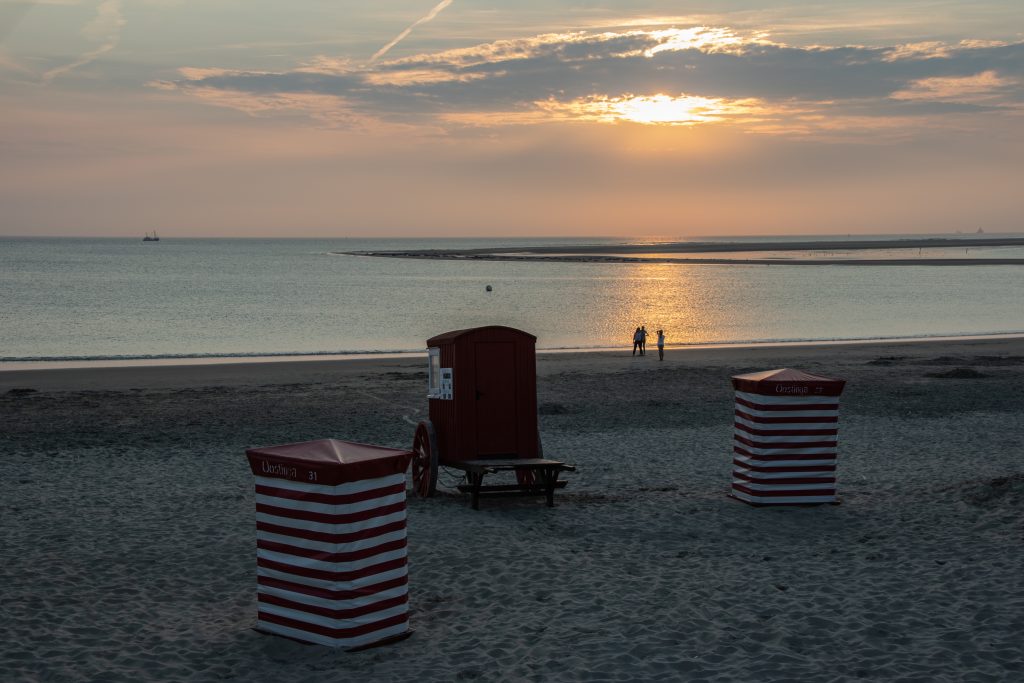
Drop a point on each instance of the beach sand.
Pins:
(128, 546)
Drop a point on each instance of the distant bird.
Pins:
(488, 288)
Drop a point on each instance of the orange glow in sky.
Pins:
(439, 118)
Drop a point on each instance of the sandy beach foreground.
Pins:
(127, 534)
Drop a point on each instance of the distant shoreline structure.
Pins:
(618, 253)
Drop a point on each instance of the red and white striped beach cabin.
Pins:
(331, 542)
(784, 445)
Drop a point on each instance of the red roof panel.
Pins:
(327, 461)
(786, 381)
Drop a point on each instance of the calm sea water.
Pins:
(122, 298)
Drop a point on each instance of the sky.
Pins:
(640, 119)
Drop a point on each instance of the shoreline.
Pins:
(314, 370)
(199, 361)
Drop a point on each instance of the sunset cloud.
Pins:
(936, 49)
(984, 87)
(670, 76)
(561, 117)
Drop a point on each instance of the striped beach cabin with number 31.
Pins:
(331, 542)
(786, 434)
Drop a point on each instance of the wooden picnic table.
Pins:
(544, 482)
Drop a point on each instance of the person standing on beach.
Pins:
(636, 342)
(643, 340)
(661, 344)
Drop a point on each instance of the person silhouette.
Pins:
(661, 344)
(636, 342)
(643, 340)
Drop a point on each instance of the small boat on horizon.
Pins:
(151, 238)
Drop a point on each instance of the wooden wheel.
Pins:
(424, 460)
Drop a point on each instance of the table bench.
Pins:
(545, 479)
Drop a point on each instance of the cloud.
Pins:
(326, 109)
(986, 86)
(936, 49)
(659, 76)
(105, 28)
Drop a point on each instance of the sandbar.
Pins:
(618, 253)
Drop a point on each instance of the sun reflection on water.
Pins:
(658, 296)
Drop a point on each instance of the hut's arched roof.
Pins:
(449, 337)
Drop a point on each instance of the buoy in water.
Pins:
(488, 288)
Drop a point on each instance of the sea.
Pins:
(81, 301)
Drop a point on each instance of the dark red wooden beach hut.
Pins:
(482, 395)
(488, 407)
(786, 434)
(331, 542)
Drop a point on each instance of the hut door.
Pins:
(495, 398)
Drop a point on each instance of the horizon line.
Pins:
(640, 238)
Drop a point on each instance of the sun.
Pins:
(658, 109)
(653, 109)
